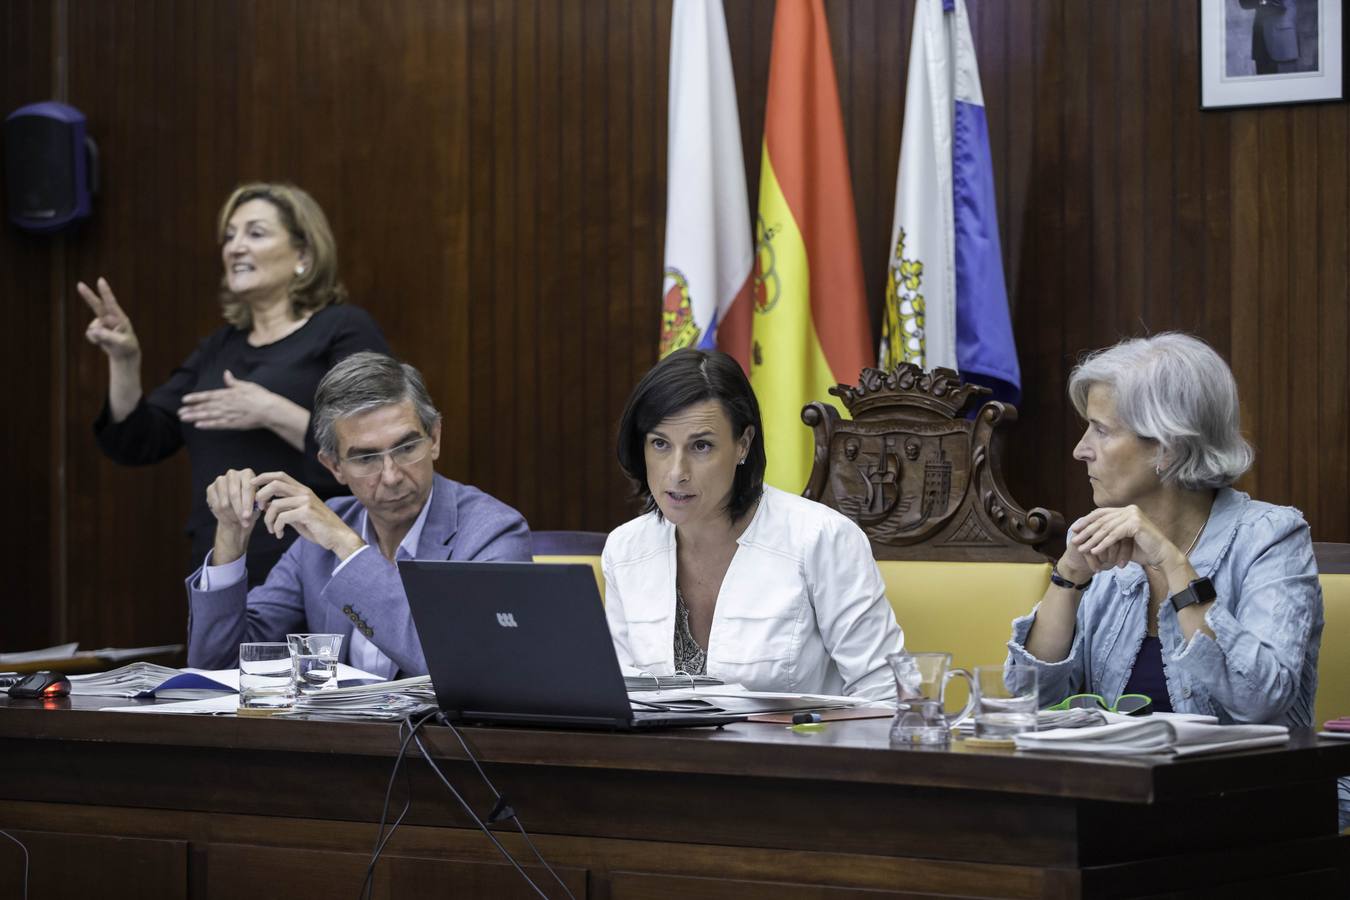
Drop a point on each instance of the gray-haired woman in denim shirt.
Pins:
(1176, 585)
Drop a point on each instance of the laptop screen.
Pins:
(516, 641)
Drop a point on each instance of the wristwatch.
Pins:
(1060, 581)
(1201, 590)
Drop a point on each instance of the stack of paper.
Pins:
(735, 700)
(1179, 734)
(144, 680)
(386, 700)
(646, 682)
(203, 691)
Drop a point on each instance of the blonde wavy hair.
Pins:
(303, 218)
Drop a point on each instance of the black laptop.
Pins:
(524, 643)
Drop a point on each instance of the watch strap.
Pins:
(1060, 581)
(1201, 590)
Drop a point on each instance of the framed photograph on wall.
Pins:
(1263, 52)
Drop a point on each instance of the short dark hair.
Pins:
(682, 379)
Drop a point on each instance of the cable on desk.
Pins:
(25, 861)
(381, 839)
(502, 810)
(477, 821)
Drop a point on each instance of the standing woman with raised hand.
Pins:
(242, 399)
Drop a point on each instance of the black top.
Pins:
(1147, 676)
(290, 367)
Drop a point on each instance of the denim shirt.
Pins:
(1261, 664)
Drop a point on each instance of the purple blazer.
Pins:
(302, 595)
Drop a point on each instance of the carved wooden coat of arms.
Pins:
(920, 479)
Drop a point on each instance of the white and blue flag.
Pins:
(946, 300)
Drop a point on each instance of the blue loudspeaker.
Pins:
(51, 167)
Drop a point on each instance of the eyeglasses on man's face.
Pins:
(365, 465)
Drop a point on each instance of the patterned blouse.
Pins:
(690, 658)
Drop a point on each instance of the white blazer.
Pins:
(802, 608)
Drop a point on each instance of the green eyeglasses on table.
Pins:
(1127, 704)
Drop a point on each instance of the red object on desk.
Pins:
(1341, 724)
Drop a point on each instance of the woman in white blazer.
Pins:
(722, 575)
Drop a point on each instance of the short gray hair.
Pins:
(1174, 389)
(362, 382)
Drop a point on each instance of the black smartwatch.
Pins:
(1201, 590)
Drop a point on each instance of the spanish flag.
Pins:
(810, 329)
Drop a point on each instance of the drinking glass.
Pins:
(1005, 700)
(265, 677)
(314, 661)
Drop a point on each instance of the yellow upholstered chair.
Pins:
(965, 609)
(962, 608)
(1333, 663)
(571, 547)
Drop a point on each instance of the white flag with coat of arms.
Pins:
(709, 254)
(946, 299)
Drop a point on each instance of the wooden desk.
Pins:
(119, 805)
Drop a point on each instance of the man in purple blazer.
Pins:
(378, 433)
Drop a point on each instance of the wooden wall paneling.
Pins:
(447, 50)
(578, 326)
(1078, 260)
(1330, 513)
(1098, 293)
(593, 288)
(1018, 175)
(648, 30)
(1303, 307)
(1040, 342)
(1215, 178)
(126, 525)
(29, 365)
(495, 175)
(989, 29)
(523, 197)
(1159, 163)
(550, 256)
(1131, 175)
(503, 342)
(1273, 251)
(1245, 293)
(488, 445)
(1188, 262)
(631, 322)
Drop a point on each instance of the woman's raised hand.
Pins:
(110, 330)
